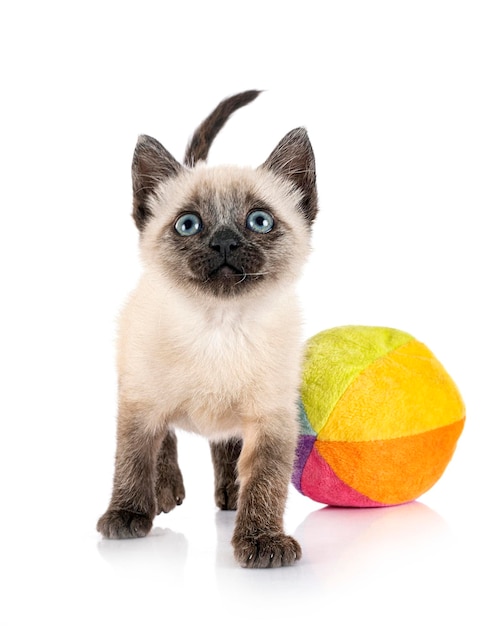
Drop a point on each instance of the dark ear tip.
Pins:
(145, 141)
(142, 144)
(299, 134)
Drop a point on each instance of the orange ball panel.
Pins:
(393, 471)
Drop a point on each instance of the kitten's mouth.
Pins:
(228, 279)
(227, 271)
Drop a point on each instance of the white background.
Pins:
(402, 102)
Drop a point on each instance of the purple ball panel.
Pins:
(303, 450)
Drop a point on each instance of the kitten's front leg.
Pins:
(132, 506)
(265, 468)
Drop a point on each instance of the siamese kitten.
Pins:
(210, 340)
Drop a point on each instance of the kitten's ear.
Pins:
(293, 158)
(151, 164)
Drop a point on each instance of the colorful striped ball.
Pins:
(380, 418)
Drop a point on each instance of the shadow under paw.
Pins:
(123, 524)
(267, 550)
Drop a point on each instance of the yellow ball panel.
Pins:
(405, 392)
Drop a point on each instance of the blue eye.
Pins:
(188, 224)
(260, 221)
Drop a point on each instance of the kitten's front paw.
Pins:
(170, 493)
(267, 550)
(121, 524)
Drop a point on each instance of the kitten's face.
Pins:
(226, 231)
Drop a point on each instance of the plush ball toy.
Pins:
(380, 418)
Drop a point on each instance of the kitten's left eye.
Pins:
(188, 224)
(260, 221)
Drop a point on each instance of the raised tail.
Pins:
(198, 146)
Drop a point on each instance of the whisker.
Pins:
(242, 279)
(255, 273)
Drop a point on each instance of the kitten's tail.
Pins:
(199, 144)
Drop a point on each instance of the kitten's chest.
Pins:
(222, 355)
(217, 378)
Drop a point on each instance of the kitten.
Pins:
(210, 340)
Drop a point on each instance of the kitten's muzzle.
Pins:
(225, 243)
(228, 266)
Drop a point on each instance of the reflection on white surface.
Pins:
(162, 550)
(347, 545)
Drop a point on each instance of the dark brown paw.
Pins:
(121, 524)
(170, 493)
(262, 551)
(226, 496)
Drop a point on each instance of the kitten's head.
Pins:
(224, 231)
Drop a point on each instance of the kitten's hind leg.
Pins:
(169, 488)
(225, 455)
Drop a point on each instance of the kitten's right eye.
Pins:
(188, 224)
